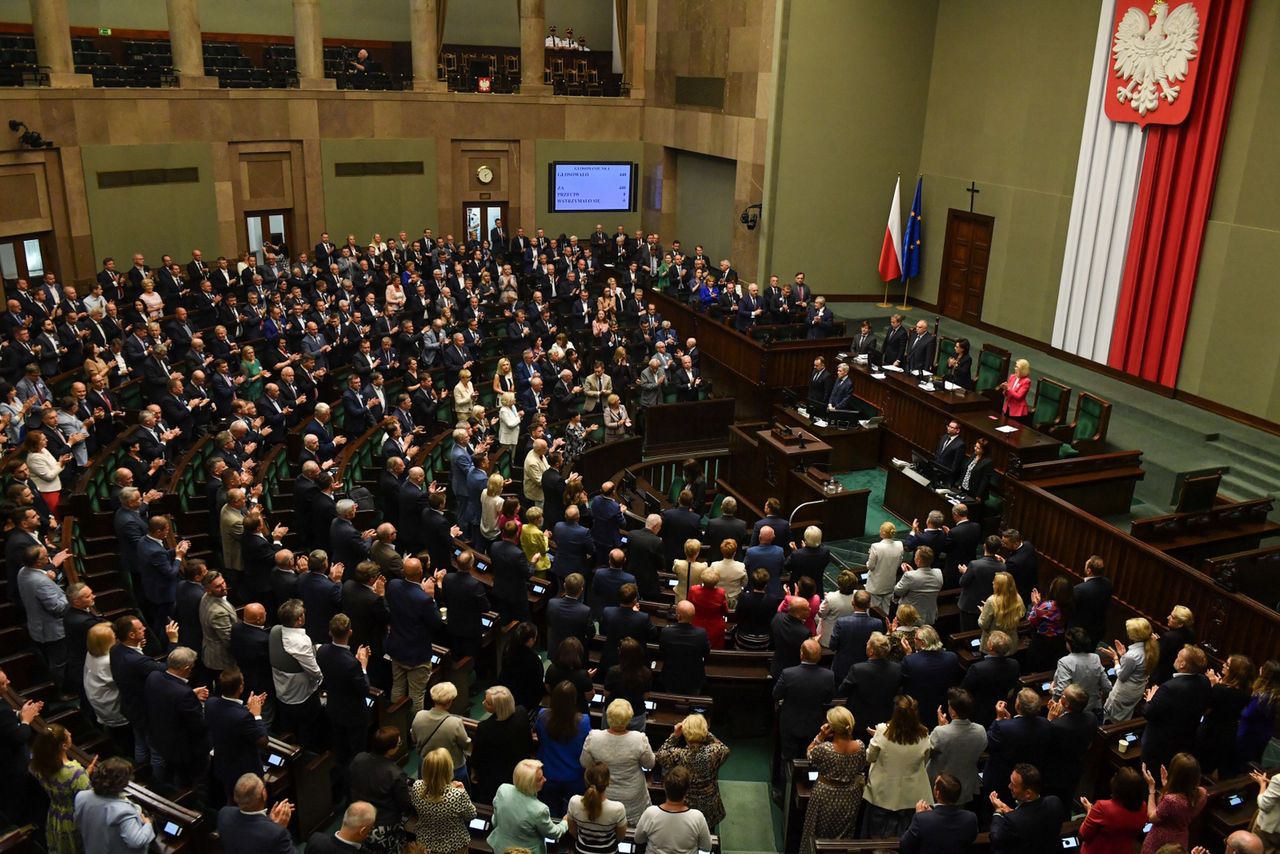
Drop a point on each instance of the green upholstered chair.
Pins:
(673, 494)
(946, 349)
(1088, 433)
(1052, 399)
(993, 369)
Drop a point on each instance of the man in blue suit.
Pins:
(415, 619)
(932, 536)
(750, 309)
(573, 545)
(248, 826)
(460, 466)
(774, 519)
(1025, 737)
(607, 520)
(358, 417)
(768, 556)
(851, 633)
(176, 720)
(943, 827)
(347, 686)
(841, 397)
(568, 616)
(803, 692)
(1033, 823)
(624, 620)
(159, 565)
(608, 581)
(236, 730)
(130, 668)
(319, 427)
(130, 525)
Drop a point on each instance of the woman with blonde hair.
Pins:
(508, 422)
(503, 379)
(534, 541)
(883, 560)
(616, 420)
(490, 506)
(692, 745)
(733, 572)
(897, 781)
(153, 302)
(442, 805)
(520, 820)
(596, 823)
(45, 468)
(689, 570)
(1003, 611)
(1134, 664)
(906, 622)
(841, 764)
(501, 740)
(464, 396)
(100, 686)
(627, 753)
(710, 608)
(1015, 391)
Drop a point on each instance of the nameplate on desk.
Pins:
(877, 376)
(950, 386)
(927, 386)
(891, 368)
(1007, 428)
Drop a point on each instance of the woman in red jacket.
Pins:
(710, 607)
(1015, 391)
(1115, 826)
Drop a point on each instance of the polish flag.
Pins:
(891, 250)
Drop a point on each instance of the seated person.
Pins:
(960, 366)
(974, 475)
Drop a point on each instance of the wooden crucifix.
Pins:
(973, 191)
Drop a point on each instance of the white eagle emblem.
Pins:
(1150, 56)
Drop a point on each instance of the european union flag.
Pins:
(911, 241)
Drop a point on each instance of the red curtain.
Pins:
(1174, 197)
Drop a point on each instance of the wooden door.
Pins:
(965, 256)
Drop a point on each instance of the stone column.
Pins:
(52, 29)
(184, 40)
(423, 18)
(308, 46)
(533, 36)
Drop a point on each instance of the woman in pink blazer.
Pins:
(1015, 391)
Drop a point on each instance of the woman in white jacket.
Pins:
(508, 422)
(46, 470)
(882, 567)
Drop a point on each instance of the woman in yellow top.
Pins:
(534, 542)
(1003, 611)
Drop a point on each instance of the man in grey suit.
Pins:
(956, 743)
(217, 618)
(231, 526)
(383, 551)
(653, 380)
(920, 586)
(45, 603)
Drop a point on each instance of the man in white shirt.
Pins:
(296, 675)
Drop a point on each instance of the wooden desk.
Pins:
(908, 500)
(851, 450)
(1025, 444)
(1102, 484)
(913, 418)
(761, 463)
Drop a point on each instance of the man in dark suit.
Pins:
(920, 348)
(236, 730)
(574, 548)
(438, 532)
(1034, 824)
(568, 616)
(963, 541)
(415, 624)
(679, 523)
(895, 342)
(948, 456)
(624, 620)
(511, 572)
(1024, 736)
(347, 688)
(1073, 731)
(992, 678)
(1174, 709)
(1091, 599)
(865, 341)
(357, 823)
(840, 398)
(976, 578)
(250, 648)
(365, 604)
(767, 555)
(820, 385)
(646, 556)
(789, 632)
(607, 581)
(187, 608)
(176, 720)
(1020, 561)
(467, 600)
(258, 553)
(942, 827)
(130, 668)
(810, 560)
(928, 672)
(851, 633)
(158, 565)
(321, 595)
(727, 526)
(248, 826)
(347, 545)
(803, 691)
(684, 649)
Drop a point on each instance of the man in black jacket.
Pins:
(511, 572)
(16, 784)
(466, 599)
(679, 523)
(992, 678)
(684, 648)
(1091, 598)
(237, 733)
(942, 826)
(365, 605)
(1034, 823)
(439, 532)
(802, 692)
(976, 579)
(347, 545)
(820, 385)
(727, 526)
(1073, 731)
(250, 648)
(175, 720)
(130, 668)
(789, 633)
(1021, 561)
(963, 541)
(1174, 709)
(624, 620)
(568, 616)
(1012, 739)
(258, 554)
(347, 688)
(645, 556)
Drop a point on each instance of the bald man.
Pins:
(685, 648)
(802, 691)
(383, 551)
(789, 630)
(249, 649)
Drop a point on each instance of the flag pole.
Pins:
(885, 303)
(905, 306)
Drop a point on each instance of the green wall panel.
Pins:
(548, 150)
(386, 204)
(705, 211)
(124, 219)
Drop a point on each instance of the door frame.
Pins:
(954, 215)
(267, 213)
(501, 204)
(45, 240)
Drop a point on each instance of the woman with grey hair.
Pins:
(628, 755)
(108, 822)
(501, 740)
